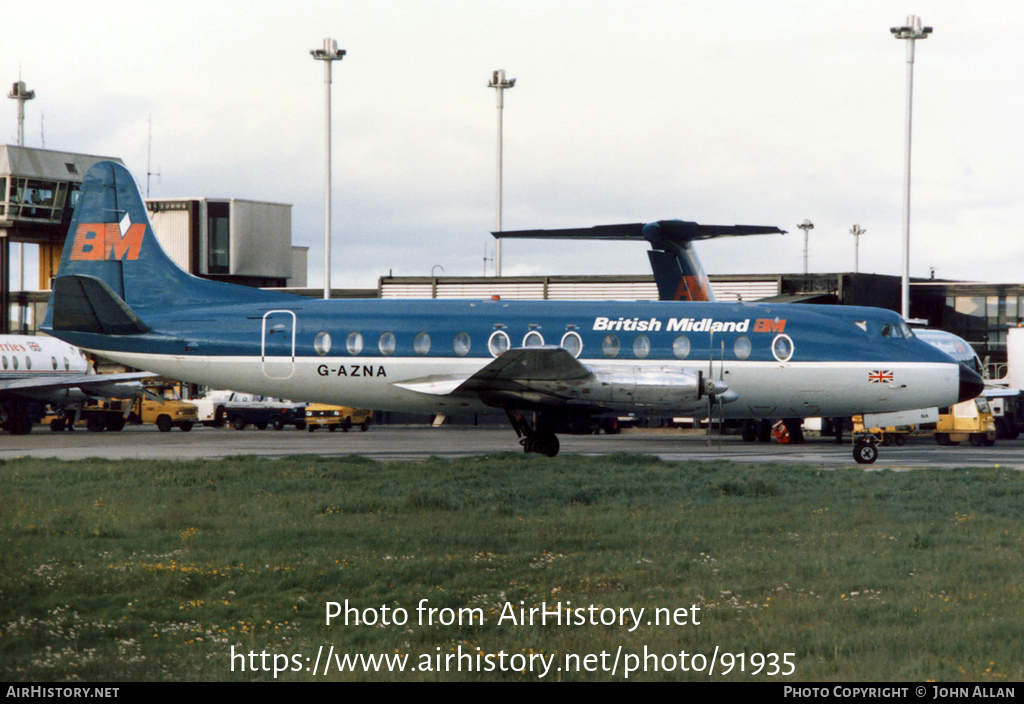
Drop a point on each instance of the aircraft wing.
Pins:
(513, 370)
(518, 367)
(550, 377)
(91, 384)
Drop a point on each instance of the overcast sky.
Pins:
(728, 112)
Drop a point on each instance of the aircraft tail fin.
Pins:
(113, 268)
(677, 270)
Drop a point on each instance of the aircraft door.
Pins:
(278, 348)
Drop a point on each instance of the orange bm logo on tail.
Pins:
(693, 288)
(101, 241)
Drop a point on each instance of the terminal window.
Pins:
(34, 199)
(983, 320)
(218, 229)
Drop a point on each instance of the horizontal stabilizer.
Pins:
(677, 270)
(677, 231)
(634, 231)
(87, 304)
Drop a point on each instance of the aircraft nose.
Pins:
(971, 383)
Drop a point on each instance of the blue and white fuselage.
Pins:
(118, 295)
(823, 365)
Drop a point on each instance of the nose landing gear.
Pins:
(865, 448)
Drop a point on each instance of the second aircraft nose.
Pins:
(971, 383)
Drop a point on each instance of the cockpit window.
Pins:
(889, 330)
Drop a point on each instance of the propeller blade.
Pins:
(711, 382)
(711, 402)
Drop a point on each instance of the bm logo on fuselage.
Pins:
(102, 241)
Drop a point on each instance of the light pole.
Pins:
(499, 83)
(911, 32)
(805, 226)
(328, 54)
(856, 232)
(22, 94)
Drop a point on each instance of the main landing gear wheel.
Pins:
(546, 445)
(541, 441)
(865, 452)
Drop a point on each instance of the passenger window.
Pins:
(322, 343)
(15, 361)
(782, 348)
(572, 343)
(610, 346)
(742, 347)
(681, 347)
(28, 362)
(461, 344)
(498, 343)
(354, 343)
(67, 364)
(421, 343)
(53, 360)
(641, 346)
(386, 343)
(5, 361)
(533, 339)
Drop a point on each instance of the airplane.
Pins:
(119, 295)
(955, 346)
(678, 273)
(42, 370)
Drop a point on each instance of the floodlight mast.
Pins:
(911, 32)
(22, 94)
(328, 54)
(805, 226)
(499, 83)
(856, 231)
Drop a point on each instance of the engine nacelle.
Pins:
(635, 389)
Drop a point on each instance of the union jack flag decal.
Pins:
(880, 377)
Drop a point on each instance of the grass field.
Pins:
(117, 571)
